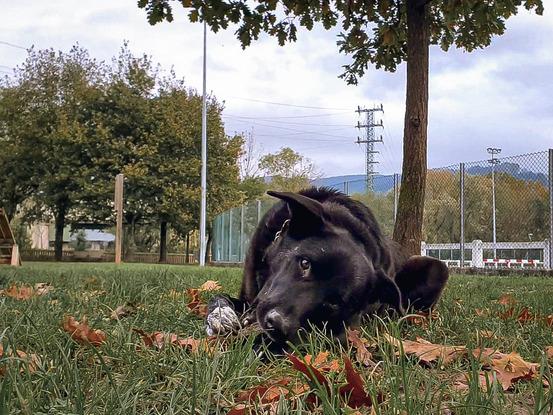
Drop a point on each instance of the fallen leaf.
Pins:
(210, 286)
(121, 311)
(486, 334)
(265, 393)
(82, 333)
(31, 360)
(160, 339)
(506, 299)
(509, 368)
(43, 288)
(549, 352)
(322, 363)
(23, 292)
(308, 370)
(481, 311)
(525, 315)
(195, 305)
(353, 391)
(422, 318)
(549, 320)
(427, 352)
(362, 353)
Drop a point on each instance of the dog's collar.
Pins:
(282, 229)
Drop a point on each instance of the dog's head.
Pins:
(318, 273)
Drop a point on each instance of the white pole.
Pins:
(204, 160)
(493, 210)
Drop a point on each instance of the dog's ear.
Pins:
(306, 214)
(386, 291)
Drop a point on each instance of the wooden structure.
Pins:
(9, 251)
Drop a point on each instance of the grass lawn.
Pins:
(124, 377)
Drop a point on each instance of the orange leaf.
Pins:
(422, 318)
(354, 390)
(31, 360)
(525, 315)
(362, 353)
(159, 339)
(312, 373)
(509, 368)
(266, 393)
(82, 333)
(427, 352)
(549, 320)
(549, 352)
(195, 305)
(506, 299)
(210, 286)
(322, 363)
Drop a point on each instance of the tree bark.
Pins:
(163, 242)
(59, 226)
(208, 246)
(408, 226)
(187, 250)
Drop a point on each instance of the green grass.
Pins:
(122, 378)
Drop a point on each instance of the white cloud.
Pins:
(475, 99)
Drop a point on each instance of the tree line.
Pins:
(69, 123)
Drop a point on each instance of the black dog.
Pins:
(319, 257)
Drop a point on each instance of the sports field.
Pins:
(57, 372)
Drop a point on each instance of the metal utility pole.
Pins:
(493, 161)
(369, 140)
(204, 160)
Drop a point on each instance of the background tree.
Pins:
(381, 32)
(46, 126)
(288, 170)
(252, 183)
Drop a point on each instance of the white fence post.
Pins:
(477, 254)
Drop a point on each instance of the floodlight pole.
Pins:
(204, 159)
(493, 161)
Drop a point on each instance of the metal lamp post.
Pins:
(493, 161)
(204, 161)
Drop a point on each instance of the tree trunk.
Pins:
(163, 242)
(408, 226)
(187, 249)
(59, 225)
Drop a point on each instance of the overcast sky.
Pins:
(501, 96)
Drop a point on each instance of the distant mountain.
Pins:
(355, 183)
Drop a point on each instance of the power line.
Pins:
(296, 130)
(289, 105)
(246, 119)
(13, 45)
(329, 114)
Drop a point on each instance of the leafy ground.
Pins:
(122, 375)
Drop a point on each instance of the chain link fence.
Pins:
(461, 226)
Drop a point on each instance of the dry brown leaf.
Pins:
(427, 352)
(82, 333)
(362, 354)
(354, 391)
(195, 305)
(506, 299)
(486, 334)
(321, 362)
(160, 339)
(422, 318)
(481, 311)
(32, 360)
(121, 311)
(509, 368)
(43, 288)
(22, 292)
(210, 286)
(549, 352)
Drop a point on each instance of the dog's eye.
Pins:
(305, 264)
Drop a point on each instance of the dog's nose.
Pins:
(275, 322)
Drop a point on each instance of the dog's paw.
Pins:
(222, 320)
